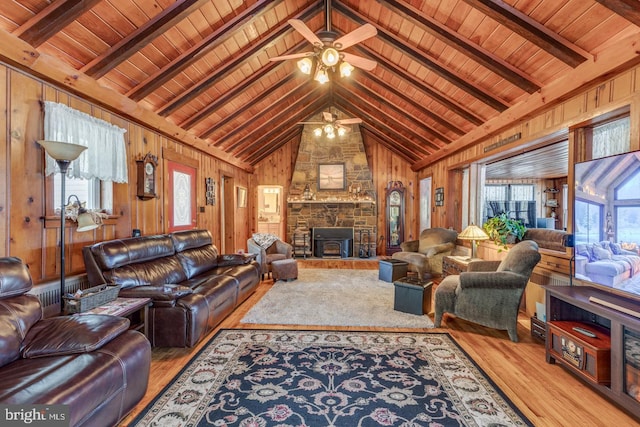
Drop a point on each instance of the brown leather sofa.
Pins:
(92, 363)
(192, 286)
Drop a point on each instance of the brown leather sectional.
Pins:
(92, 363)
(192, 286)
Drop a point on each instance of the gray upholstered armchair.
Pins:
(268, 248)
(425, 254)
(489, 292)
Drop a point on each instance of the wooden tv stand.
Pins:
(612, 371)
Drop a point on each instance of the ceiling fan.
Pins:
(328, 49)
(331, 125)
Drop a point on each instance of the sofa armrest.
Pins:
(410, 246)
(492, 280)
(438, 249)
(168, 292)
(71, 334)
(226, 260)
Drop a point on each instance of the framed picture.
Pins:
(331, 176)
(242, 197)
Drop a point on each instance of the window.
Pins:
(516, 200)
(97, 194)
(611, 138)
(588, 216)
(627, 210)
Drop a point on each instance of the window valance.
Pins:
(106, 156)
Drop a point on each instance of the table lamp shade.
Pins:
(473, 232)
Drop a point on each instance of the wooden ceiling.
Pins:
(447, 69)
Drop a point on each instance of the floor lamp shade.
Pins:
(63, 153)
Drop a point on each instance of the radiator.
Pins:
(49, 292)
(548, 278)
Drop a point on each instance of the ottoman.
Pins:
(284, 269)
(391, 270)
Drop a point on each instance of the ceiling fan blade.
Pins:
(360, 62)
(310, 123)
(327, 116)
(291, 56)
(356, 36)
(348, 121)
(306, 32)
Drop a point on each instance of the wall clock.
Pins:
(147, 177)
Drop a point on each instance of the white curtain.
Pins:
(611, 138)
(106, 155)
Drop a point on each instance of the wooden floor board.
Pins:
(547, 394)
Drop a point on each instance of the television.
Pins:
(606, 223)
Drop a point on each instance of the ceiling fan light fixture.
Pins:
(305, 65)
(317, 132)
(345, 69)
(331, 135)
(321, 76)
(342, 131)
(330, 57)
(328, 129)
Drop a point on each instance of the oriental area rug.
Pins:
(330, 297)
(247, 378)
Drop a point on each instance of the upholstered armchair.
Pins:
(268, 248)
(425, 254)
(489, 292)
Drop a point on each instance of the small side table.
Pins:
(454, 265)
(134, 309)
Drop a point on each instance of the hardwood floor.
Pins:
(547, 394)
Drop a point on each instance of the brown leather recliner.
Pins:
(92, 363)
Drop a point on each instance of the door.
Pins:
(182, 196)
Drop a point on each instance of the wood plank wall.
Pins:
(28, 227)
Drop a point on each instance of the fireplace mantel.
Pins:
(329, 202)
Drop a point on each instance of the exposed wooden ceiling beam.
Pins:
(417, 142)
(229, 66)
(121, 51)
(532, 31)
(456, 108)
(276, 132)
(440, 70)
(252, 102)
(402, 114)
(196, 52)
(52, 19)
(483, 57)
(241, 87)
(403, 97)
(275, 144)
(297, 94)
(411, 148)
(628, 9)
(368, 130)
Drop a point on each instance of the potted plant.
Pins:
(504, 230)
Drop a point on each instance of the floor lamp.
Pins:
(63, 153)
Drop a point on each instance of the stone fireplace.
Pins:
(340, 190)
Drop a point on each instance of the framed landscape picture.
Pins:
(331, 176)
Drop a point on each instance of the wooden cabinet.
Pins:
(454, 265)
(609, 361)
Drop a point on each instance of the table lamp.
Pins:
(473, 233)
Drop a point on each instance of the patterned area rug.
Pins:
(330, 378)
(322, 297)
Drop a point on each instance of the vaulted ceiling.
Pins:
(448, 71)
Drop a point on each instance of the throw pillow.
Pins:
(616, 248)
(264, 240)
(601, 254)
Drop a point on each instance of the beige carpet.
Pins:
(330, 297)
